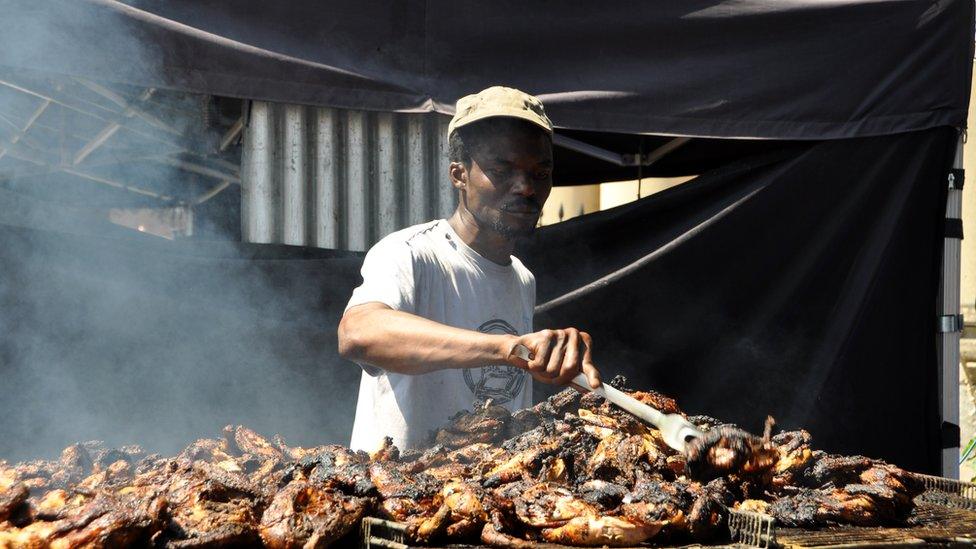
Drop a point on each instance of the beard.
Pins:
(497, 224)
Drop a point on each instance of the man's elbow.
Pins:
(351, 344)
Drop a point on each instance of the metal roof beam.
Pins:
(200, 169)
(587, 149)
(12, 150)
(64, 100)
(656, 154)
(129, 109)
(109, 130)
(211, 193)
(617, 158)
(22, 132)
(231, 134)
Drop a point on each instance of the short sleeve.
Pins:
(388, 277)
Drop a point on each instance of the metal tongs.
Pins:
(675, 429)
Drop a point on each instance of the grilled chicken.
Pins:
(726, 450)
(708, 516)
(599, 531)
(571, 470)
(859, 504)
(487, 424)
(794, 457)
(209, 505)
(305, 514)
(12, 497)
(102, 521)
(658, 502)
(521, 465)
(547, 505)
(603, 494)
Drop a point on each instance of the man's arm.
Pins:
(404, 343)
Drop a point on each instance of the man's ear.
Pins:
(459, 175)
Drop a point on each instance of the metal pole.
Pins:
(951, 322)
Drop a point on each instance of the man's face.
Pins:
(509, 179)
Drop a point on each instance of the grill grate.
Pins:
(383, 534)
(945, 515)
(936, 524)
(752, 529)
(948, 492)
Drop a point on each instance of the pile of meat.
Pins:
(572, 470)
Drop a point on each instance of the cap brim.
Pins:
(506, 113)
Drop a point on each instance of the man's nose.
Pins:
(522, 184)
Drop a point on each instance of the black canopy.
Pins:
(802, 69)
(797, 278)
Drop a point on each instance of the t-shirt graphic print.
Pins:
(500, 383)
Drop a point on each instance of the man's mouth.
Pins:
(523, 210)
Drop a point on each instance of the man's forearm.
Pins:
(408, 344)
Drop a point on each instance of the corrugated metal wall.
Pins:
(341, 179)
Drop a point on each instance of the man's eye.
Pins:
(542, 175)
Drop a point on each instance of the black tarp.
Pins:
(799, 69)
(800, 284)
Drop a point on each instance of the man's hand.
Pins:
(558, 355)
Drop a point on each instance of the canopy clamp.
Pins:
(951, 435)
(950, 324)
(953, 228)
(957, 178)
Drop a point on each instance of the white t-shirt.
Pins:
(427, 270)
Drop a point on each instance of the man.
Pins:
(444, 304)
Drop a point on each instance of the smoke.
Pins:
(117, 335)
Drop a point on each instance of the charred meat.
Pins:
(571, 470)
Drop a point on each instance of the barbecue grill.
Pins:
(945, 516)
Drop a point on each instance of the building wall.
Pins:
(574, 201)
(565, 203)
(340, 178)
(621, 192)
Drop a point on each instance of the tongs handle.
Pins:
(675, 429)
(615, 396)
